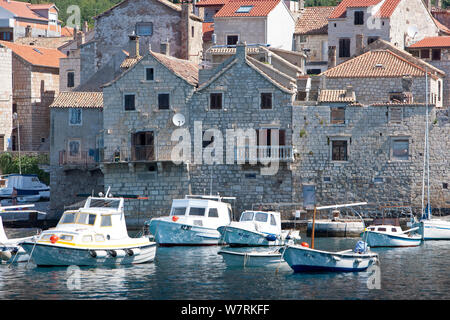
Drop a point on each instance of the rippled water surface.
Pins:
(200, 273)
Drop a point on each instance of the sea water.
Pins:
(200, 273)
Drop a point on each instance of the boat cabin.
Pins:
(265, 221)
(201, 209)
(385, 228)
(25, 184)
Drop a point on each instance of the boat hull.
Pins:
(378, 239)
(253, 259)
(434, 229)
(302, 259)
(169, 233)
(57, 255)
(238, 237)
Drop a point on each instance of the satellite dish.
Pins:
(413, 31)
(178, 120)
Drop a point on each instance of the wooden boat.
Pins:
(272, 258)
(302, 258)
(257, 228)
(93, 235)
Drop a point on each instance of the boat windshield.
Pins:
(78, 218)
(261, 217)
(197, 211)
(178, 211)
(104, 203)
(247, 216)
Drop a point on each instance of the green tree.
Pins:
(28, 164)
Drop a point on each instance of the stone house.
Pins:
(6, 98)
(355, 24)
(35, 84)
(19, 19)
(311, 37)
(382, 76)
(154, 21)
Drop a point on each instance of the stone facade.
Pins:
(168, 23)
(5, 98)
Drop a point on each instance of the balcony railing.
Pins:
(263, 153)
(143, 153)
(130, 154)
(93, 156)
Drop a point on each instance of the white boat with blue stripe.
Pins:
(391, 236)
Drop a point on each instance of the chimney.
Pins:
(28, 31)
(301, 5)
(241, 50)
(359, 44)
(133, 49)
(165, 48)
(331, 57)
(349, 92)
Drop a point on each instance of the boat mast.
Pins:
(313, 226)
(426, 158)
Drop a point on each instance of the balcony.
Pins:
(141, 153)
(83, 158)
(264, 153)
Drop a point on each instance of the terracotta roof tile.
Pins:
(37, 56)
(443, 28)
(375, 64)
(67, 32)
(385, 11)
(21, 9)
(335, 96)
(431, 42)
(45, 42)
(204, 3)
(78, 100)
(314, 20)
(183, 68)
(208, 30)
(260, 8)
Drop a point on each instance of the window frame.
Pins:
(394, 140)
(221, 100)
(345, 51)
(337, 121)
(71, 113)
(232, 35)
(70, 80)
(146, 73)
(358, 18)
(160, 94)
(125, 95)
(140, 24)
(78, 155)
(347, 152)
(262, 100)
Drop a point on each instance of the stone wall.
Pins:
(6, 120)
(371, 173)
(66, 65)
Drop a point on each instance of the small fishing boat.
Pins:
(192, 221)
(272, 258)
(24, 184)
(10, 250)
(93, 235)
(391, 236)
(302, 258)
(257, 228)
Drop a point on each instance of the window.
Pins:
(66, 237)
(395, 114)
(180, 211)
(215, 101)
(266, 100)
(378, 180)
(143, 146)
(436, 54)
(232, 40)
(6, 36)
(75, 116)
(74, 148)
(394, 229)
(344, 48)
(381, 229)
(70, 79)
(149, 74)
(425, 53)
(87, 239)
(338, 115)
(244, 9)
(213, 213)
(439, 91)
(359, 17)
(2, 142)
(302, 38)
(86, 218)
(400, 149)
(129, 102)
(99, 238)
(272, 220)
(68, 217)
(247, 216)
(106, 221)
(339, 150)
(261, 216)
(197, 212)
(163, 101)
(372, 39)
(144, 29)
(192, 31)
(313, 71)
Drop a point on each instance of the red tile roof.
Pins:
(204, 3)
(185, 69)
(314, 20)
(37, 56)
(261, 8)
(78, 100)
(208, 30)
(67, 32)
(443, 28)
(21, 9)
(375, 64)
(386, 9)
(432, 42)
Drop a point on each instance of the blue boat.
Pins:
(24, 184)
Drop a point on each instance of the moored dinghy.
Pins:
(254, 258)
(93, 235)
(302, 258)
(192, 221)
(257, 228)
(10, 250)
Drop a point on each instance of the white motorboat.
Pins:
(192, 221)
(391, 236)
(93, 235)
(24, 184)
(434, 229)
(254, 258)
(10, 250)
(302, 258)
(257, 228)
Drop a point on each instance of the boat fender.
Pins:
(305, 244)
(93, 253)
(271, 237)
(129, 252)
(54, 239)
(112, 253)
(174, 218)
(101, 253)
(120, 253)
(5, 255)
(136, 251)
